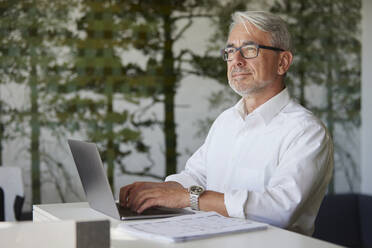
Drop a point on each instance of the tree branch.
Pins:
(141, 112)
(192, 72)
(180, 33)
(177, 18)
(49, 160)
(180, 60)
(143, 173)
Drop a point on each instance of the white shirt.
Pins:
(273, 165)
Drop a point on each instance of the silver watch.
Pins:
(195, 191)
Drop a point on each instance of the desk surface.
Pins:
(271, 237)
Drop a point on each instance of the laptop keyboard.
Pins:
(124, 211)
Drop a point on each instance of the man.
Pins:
(266, 158)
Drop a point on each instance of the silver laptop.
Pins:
(97, 189)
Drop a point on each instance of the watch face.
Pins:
(196, 189)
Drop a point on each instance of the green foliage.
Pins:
(27, 35)
(100, 81)
(75, 78)
(156, 29)
(327, 53)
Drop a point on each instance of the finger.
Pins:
(136, 200)
(139, 186)
(151, 202)
(129, 192)
(137, 190)
(124, 193)
(143, 196)
(133, 195)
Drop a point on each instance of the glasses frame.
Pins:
(258, 46)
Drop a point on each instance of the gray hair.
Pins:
(267, 22)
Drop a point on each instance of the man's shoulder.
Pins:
(300, 116)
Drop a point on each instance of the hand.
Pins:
(142, 195)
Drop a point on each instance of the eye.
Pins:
(249, 48)
(229, 50)
(249, 51)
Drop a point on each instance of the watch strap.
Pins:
(195, 192)
(194, 201)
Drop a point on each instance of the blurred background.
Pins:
(144, 80)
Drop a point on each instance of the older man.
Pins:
(267, 158)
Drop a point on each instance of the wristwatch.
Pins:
(195, 191)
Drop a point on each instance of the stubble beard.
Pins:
(246, 90)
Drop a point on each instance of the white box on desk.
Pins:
(56, 234)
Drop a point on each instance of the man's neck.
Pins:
(253, 101)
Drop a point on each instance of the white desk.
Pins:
(271, 237)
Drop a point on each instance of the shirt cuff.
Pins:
(185, 180)
(235, 201)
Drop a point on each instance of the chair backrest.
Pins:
(338, 220)
(365, 213)
(12, 184)
(2, 215)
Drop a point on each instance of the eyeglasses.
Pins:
(248, 51)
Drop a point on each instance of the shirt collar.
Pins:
(269, 109)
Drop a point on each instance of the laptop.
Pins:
(97, 189)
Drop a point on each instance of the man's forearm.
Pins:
(213, 201)
(208, 201)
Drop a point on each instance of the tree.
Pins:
(5, 117)
(156, 30)
(87, 101)
(29, 33)
(327, 52)
(7, 13)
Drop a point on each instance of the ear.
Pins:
(285, 61)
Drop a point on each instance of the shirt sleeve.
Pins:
(303, 172)
(195, 169)
(194, 173)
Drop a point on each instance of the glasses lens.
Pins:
(228, 53)
(249, 51)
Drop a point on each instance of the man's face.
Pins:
(251, 76)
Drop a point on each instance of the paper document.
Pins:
(189, 227)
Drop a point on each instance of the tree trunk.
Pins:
(110, 142)
(330, 121)
(169, 83)
(329, 85)
(35, 136)
(2, 128)
(302, 63)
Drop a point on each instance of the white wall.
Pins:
(366, 133)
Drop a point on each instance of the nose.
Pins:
(238, 59)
